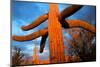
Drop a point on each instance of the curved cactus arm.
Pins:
(83, 24)
(69, 11)
(30, 36)
(35, 23)
(42, 43)
(65, 13)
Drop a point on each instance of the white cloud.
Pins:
(23, 22)
(45, 52)
(38, 39)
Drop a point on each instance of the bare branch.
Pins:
(82, 24)
(42, 44)
(35, 23)
(30, 36)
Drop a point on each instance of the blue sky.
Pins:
(23, 13)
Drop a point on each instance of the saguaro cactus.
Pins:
(56, 44)
(35, 58)
(56, 20)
